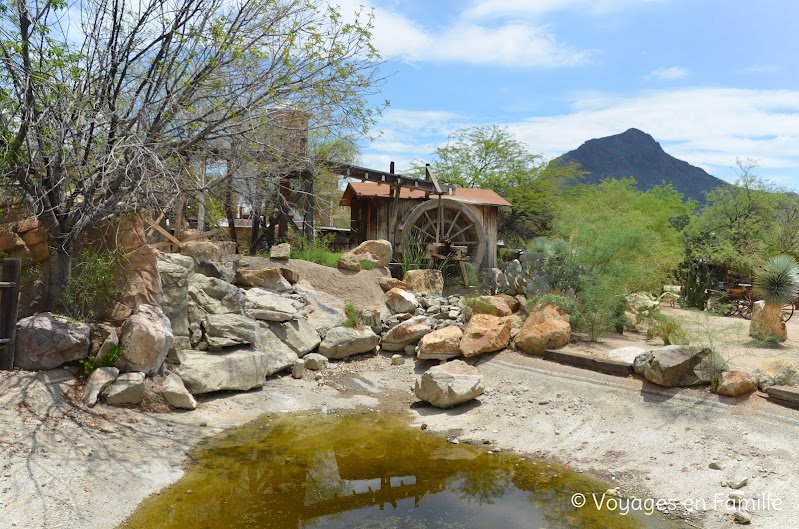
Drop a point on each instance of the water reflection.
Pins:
(368, 472)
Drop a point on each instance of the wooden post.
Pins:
(8, 311)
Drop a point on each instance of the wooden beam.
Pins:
(166, 234)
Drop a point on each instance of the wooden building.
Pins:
(463, 217)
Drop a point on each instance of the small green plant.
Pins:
(366, 264)
(90, 362)
(93, 284)
(353, 314)
(667, 328)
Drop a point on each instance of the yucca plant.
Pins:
(777, 284)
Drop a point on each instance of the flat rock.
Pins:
(215, 296)
(279, 356)
(175, 295)
(406, 333)
(237, 369)
(341, 342)
(441, 344)
(176, 395)
(263, 304)
(449, 384)
(787, 394)
(227, 330)
(268, 278)
(424, 280)
(46, 341)
(493, 305)
(484, 334)
(626, 354)
(127, 389)
(101, 378)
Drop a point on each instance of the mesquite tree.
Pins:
(103, 102)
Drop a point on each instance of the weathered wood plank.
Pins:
(166, 234)
(602, 365)
(784, 395)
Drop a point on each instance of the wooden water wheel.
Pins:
(445, 221)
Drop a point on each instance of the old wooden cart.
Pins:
(735, 293)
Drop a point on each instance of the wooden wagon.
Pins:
(457, 222)
(735, 291)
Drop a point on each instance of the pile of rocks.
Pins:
(220, 327)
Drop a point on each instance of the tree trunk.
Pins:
(201, 200)
(231, 222)
(768, 325)
(60, 272)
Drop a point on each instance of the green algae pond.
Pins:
(369, 471)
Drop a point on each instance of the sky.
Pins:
(712, 81)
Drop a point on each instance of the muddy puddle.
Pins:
(369, 471)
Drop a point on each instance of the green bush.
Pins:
(667, 328)
(90, 362)
(353, 314)
(93, 283)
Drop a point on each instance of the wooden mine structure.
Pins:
(458, 224)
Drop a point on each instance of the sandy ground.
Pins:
(64, 466)
(727, 335)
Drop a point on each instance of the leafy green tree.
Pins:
(103, 103)
(739, 228)
(489, 157)
(616, 240)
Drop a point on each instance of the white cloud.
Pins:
(707, 127)
(466, 41)
(668, 74)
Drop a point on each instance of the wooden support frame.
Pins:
(9, 299)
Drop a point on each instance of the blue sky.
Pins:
(711, 80)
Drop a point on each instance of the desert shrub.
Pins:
(667, 329)
(93, 283)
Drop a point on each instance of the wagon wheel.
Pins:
(787, 311)
(459, 224)
(745, 307)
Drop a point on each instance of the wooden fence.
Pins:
(9, 297)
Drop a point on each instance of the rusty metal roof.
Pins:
(469, 195)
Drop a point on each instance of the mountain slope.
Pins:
(636, 154)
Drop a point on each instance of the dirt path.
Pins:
(67, 467)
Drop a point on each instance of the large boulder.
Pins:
(45, 341)
(425, 280)
(485, 333)
(237, 369)
(400, 300)
(449, 384)
(298, 334)
(127, 389)
(175, 296)
(341, 342)
(101, 378)
(268, 278)
(214, 296)
(775, 373)
(265, 305)
(547, 327)
(377, 251)
(736, 383)
(441, 344)
(227, 330)
(176, 395)
(145, 339)
(679, 366)
(406, 333)
(186, 261)
(324, 311)
(208, 249)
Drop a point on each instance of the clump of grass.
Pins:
(353, 314)
(90, 362)
(668, 329)
(366, 264)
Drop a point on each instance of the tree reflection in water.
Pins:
(369, 472)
